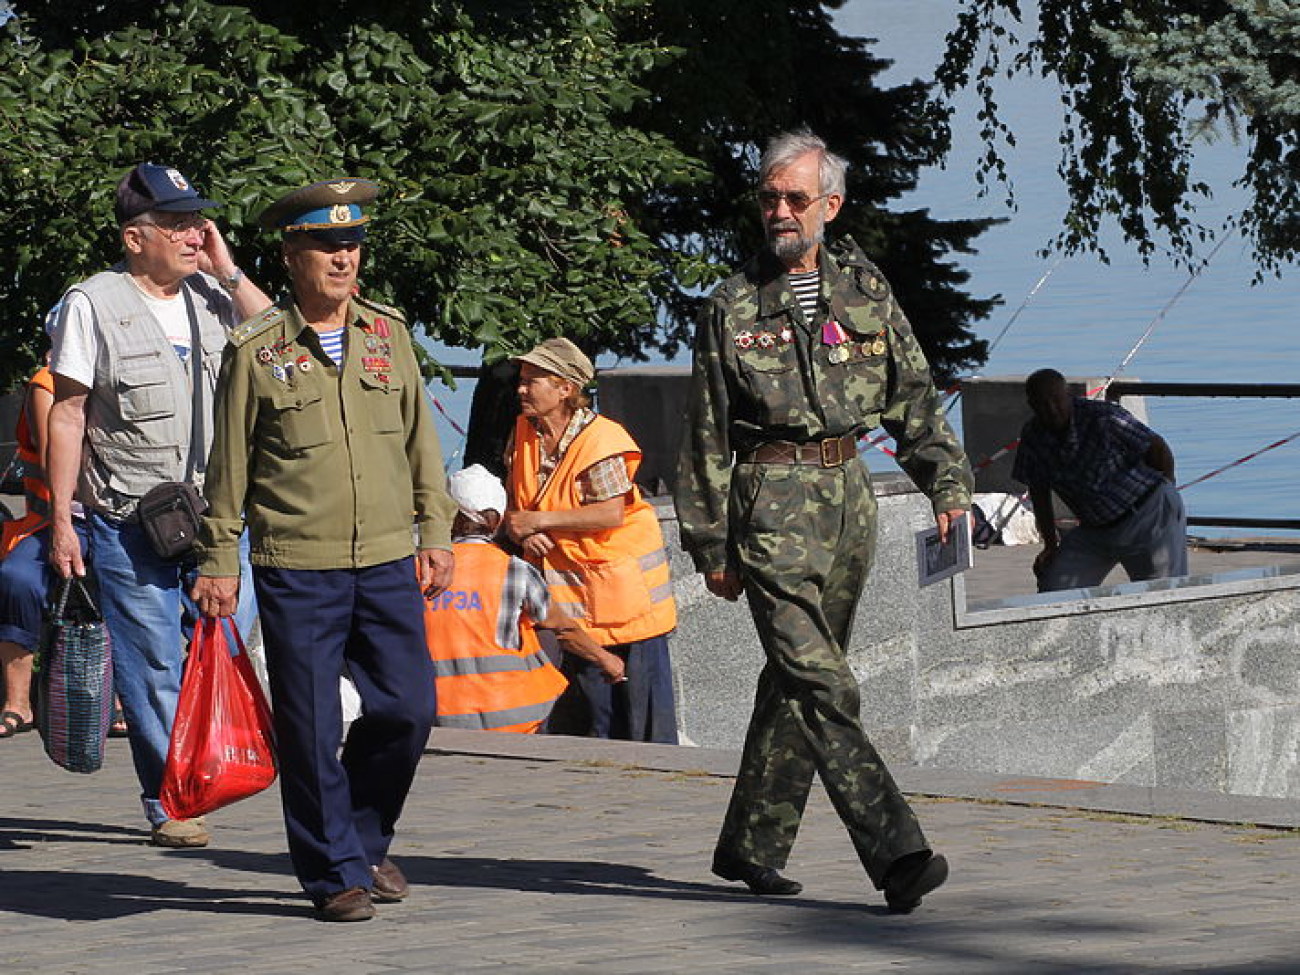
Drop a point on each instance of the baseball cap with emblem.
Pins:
(561, 358)
(329, 210)
(153, 187)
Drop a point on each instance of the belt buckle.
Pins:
(825, 446)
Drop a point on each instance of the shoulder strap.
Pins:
(255, 326)
(195, 460)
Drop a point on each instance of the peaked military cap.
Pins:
(329, 210)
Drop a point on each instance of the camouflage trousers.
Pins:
(806, 539)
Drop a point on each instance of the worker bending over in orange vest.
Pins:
(491, 671)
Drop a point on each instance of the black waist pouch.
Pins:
(170, 515)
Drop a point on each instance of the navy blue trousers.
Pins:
(340, 810)
(641, 708)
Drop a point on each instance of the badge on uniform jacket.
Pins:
(833, 333)
(835, 339)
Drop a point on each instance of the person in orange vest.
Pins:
(492, 673)
(25, 574)
(577, 515)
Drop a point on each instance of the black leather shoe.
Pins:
(353, 904)
(911, 878)
(390, 884)
(764, 881)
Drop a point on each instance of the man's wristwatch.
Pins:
(231, 284)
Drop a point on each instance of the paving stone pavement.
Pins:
(559, 855)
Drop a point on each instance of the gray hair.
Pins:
(785, 147)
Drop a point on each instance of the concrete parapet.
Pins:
(1184, 684)
(650, 401)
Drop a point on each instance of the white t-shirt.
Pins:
(76, 343)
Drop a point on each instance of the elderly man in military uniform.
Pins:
(325, 444)
(796, 357)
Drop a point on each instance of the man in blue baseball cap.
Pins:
(325, 444)
(135, 352)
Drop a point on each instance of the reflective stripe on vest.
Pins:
(503, 664)
(498, 720)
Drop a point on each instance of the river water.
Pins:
(1086, 317)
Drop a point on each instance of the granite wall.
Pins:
(1189, 685)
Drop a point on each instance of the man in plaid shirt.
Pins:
(1117, 476)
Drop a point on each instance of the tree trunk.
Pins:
(492, 416)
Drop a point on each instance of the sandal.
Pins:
(12, 723)
(118, 728)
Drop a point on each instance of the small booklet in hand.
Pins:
(936, 561)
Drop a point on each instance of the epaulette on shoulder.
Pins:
(733, 288)
(383, 309)
(847, 253)
(255, 326)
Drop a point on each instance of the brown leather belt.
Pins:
(831, 452)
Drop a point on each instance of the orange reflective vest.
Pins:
(480, 684)
(614, 582)
(35, 488)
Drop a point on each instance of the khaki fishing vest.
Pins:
(138, 410)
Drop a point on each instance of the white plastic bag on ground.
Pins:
(1011, 518)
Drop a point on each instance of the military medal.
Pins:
(878, 347)
(278, 372)
(787, 334)
(765, 340)
(265, 355)
(834, 337)
(744, 340)
(304, 363)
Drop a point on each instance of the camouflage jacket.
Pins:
(763, 372)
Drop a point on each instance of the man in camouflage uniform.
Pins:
(796, 357)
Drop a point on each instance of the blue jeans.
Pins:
(1150, 542)
(26, 583)
(149, 613)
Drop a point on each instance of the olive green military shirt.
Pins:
(763, 372)
(331, 467)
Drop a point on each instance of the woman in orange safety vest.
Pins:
(577, 515)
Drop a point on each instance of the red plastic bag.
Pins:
(222, 746)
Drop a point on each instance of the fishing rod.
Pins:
(1160, 316)
(955, 393)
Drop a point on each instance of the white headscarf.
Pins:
(475, 490)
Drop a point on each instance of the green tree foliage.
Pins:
(752, 68)
(576, 167)
(1142, 83)
(502, 143)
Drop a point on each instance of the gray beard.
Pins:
(788, 250)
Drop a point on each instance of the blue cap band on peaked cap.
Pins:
(326, 218)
